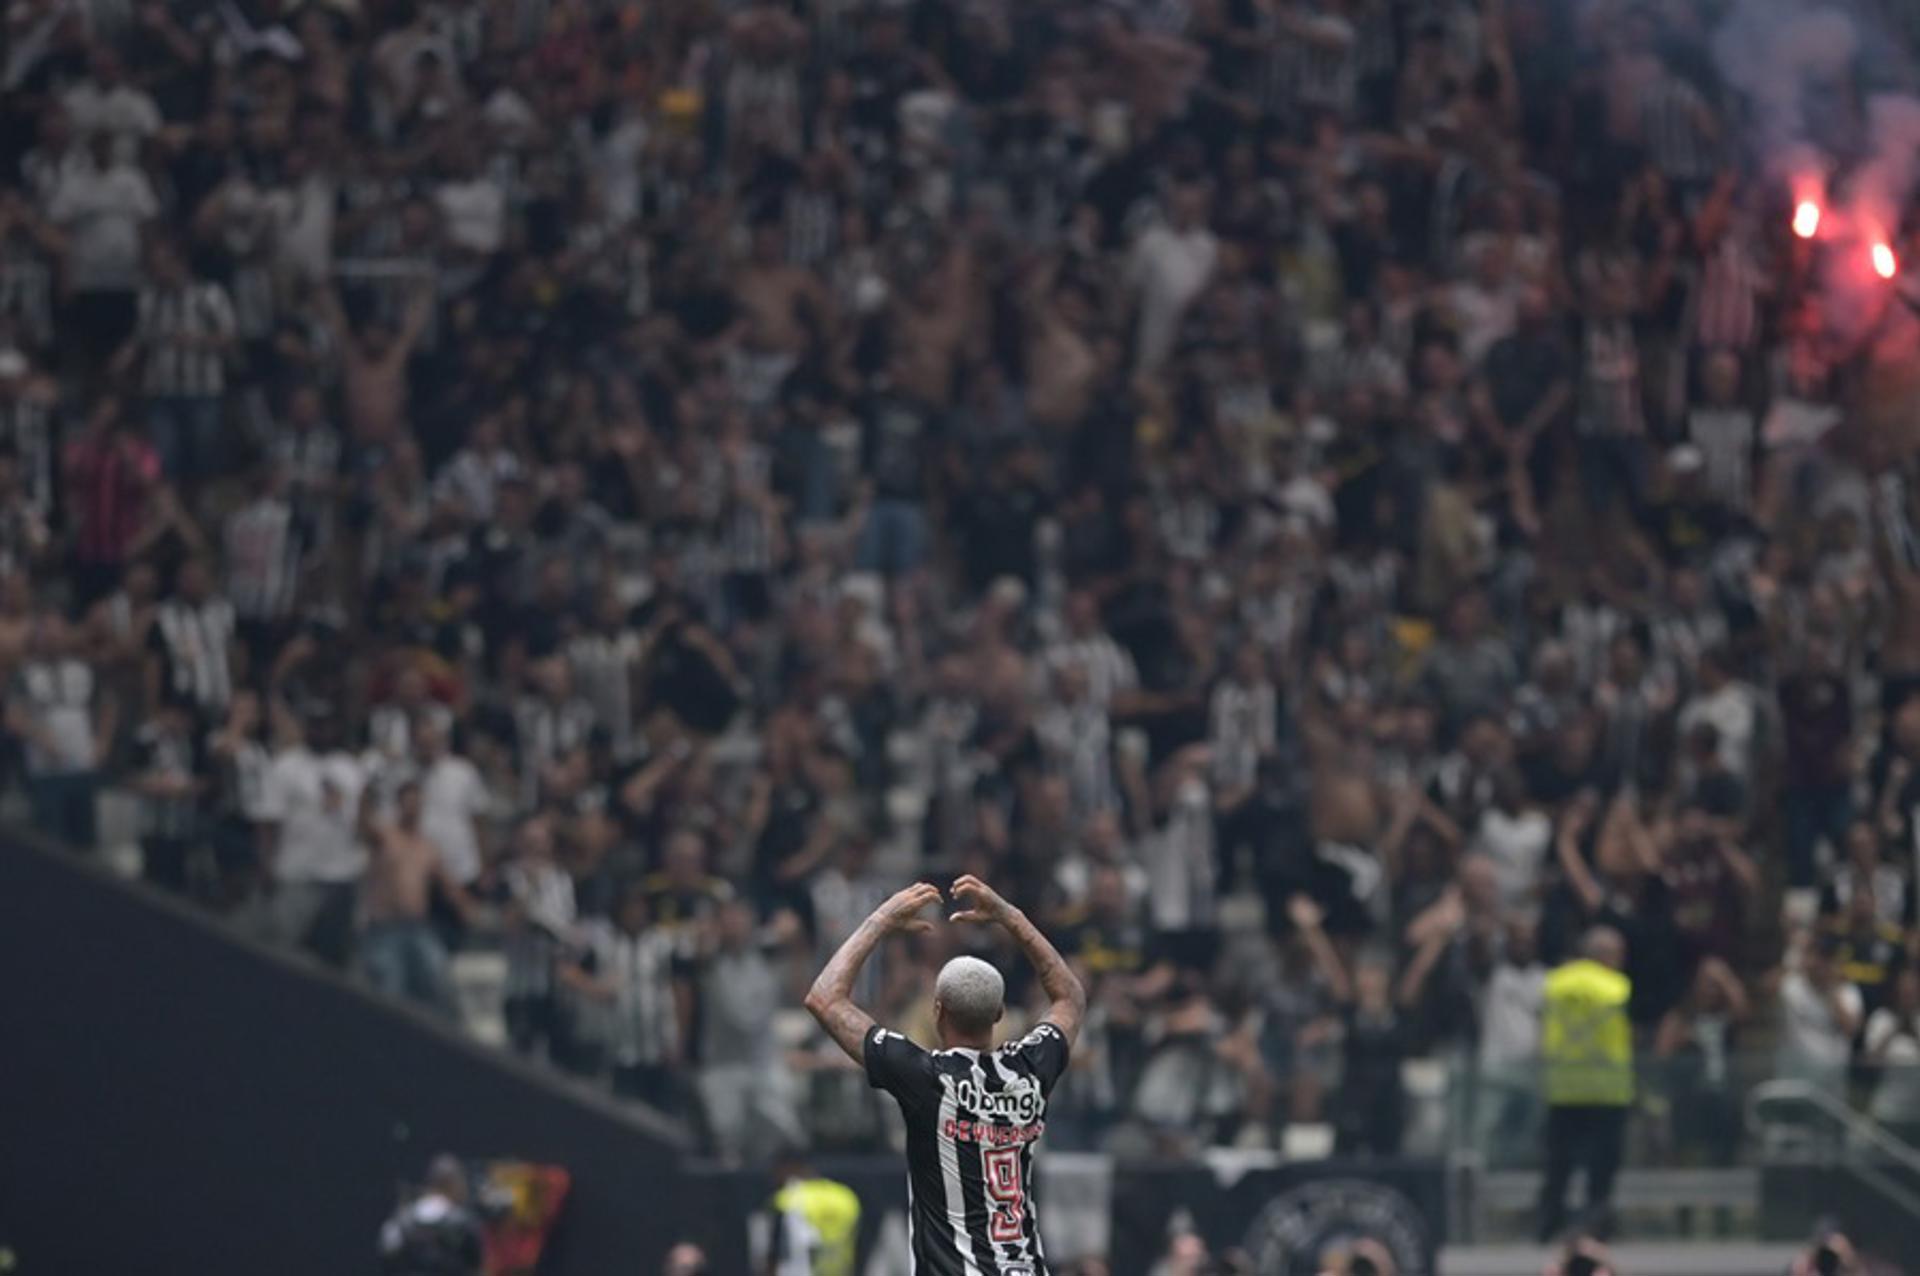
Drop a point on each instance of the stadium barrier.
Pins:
(1284, 1215)
(180, 1102)
(183, 1101)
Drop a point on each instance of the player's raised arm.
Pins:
(830, 999)
(1057, 980)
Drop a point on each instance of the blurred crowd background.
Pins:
(560, 506)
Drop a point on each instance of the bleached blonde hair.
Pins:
(971, 992)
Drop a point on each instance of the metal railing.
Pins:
(1864, 1146)
(1684, 1114)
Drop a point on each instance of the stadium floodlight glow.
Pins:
(1806, 219)
(1884, 263)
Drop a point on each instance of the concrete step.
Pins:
(1679, 1258)
(1679, 1206)
(1737, 1188)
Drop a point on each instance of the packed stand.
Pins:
(1308, 498)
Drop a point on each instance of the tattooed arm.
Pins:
(830, 1000)
(1066, 997)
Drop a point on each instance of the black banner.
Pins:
(1285, 1217)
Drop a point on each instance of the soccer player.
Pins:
(973, 1112)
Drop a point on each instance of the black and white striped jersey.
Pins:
(972, 1119)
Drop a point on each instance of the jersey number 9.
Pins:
(1008, 1192)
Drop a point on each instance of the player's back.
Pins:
(972, 1119)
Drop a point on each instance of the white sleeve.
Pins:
(355, 778)
(1330, 30)
(62, 203)
(144, 202)
(1139, 261)
(272, 806)
(1794, 996)
(1880, 1030)
(220, 310)
(475, 799)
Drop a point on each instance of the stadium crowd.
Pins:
(1319, 500)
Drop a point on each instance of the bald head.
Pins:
(1605, 945)
(968, 999)
(448, 1177)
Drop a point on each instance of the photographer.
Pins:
(1187, 1255)
(435, 1233)
(1584, 1256)
(686, 1259)
(1366, 1257)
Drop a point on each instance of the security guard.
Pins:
(810, 1228)
(1586, 1044)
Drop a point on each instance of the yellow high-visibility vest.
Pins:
(819, 1221)
(1586, 1041)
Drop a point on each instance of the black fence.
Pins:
(178, 1103)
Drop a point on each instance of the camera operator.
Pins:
(435, 1233)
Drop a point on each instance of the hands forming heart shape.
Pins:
(981, 902)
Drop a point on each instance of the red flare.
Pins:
(1884, 262)
(1806, 219)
